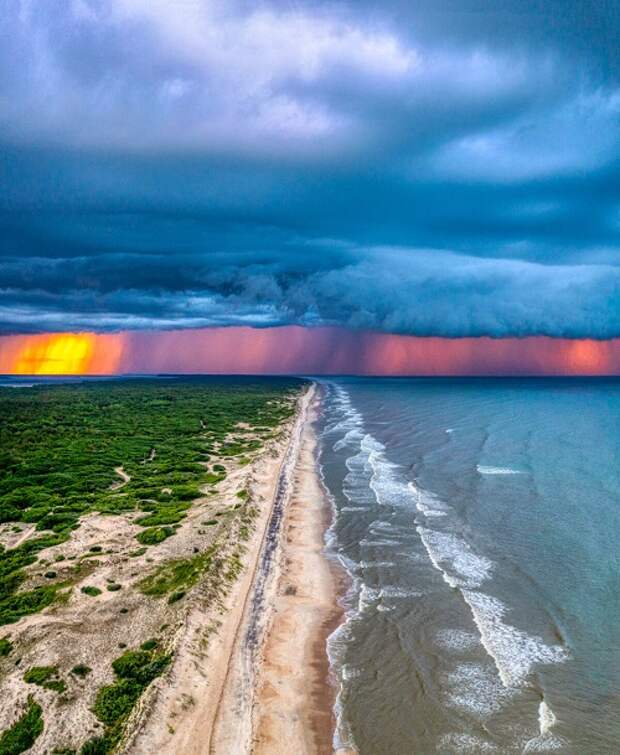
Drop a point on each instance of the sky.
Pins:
(399, 170)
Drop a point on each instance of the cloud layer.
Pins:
(451, 169)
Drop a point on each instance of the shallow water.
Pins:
(479, 521)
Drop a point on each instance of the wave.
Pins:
(453, 557)
(514, 652)
(348, 422)
(476, 689)
(496, 470)
(546, 740)
(466, 744)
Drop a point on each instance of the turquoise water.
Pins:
(479, 521)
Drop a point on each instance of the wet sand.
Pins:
(293, 710)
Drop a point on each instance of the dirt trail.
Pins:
(123, 481)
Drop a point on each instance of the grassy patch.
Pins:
(163, 515)
(134, 670)
(24, 732)
(46, 677)
(16, 605)
(176, 575)
(154, 535)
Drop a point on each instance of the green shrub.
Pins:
(5, 646)
(81, 670)
(24, 732)
(114, 586)
(154, 535)
(135, 670)
(13, 607)
(162, 516)
(91, 591)
(176, 596)
(115, 701)
(149, 645)
(46, 677)
(97, 746)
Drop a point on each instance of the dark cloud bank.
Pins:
(452, 169)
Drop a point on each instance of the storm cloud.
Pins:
(445, 169)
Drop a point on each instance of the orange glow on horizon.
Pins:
(298, 350)
(61, 354)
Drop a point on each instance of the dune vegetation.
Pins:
(166, 462)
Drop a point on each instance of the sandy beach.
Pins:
(255, 677)
(293, 711)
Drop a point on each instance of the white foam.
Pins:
(546, 718)
(367, 597)
(464, 744)
(372, 564)
(457, 640)
(350, 422)
(427, 504)
(496, 470)
(514, 651)
(383, 543)
(476, 689)
(454, 558)
(351, 438)
(546, 740)
(392, 591)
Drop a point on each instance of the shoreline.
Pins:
(295, 696)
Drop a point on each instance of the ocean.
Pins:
(479, 523)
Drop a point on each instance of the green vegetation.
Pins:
(59, 446)
(46, 677)
(5, 646)
(114, 586)
(24, 732)
(154, 535)
(81, 670)
(135, 670)
(14, 606)
(91, 591)
(176, 576)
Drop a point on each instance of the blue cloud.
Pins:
(440, 169)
